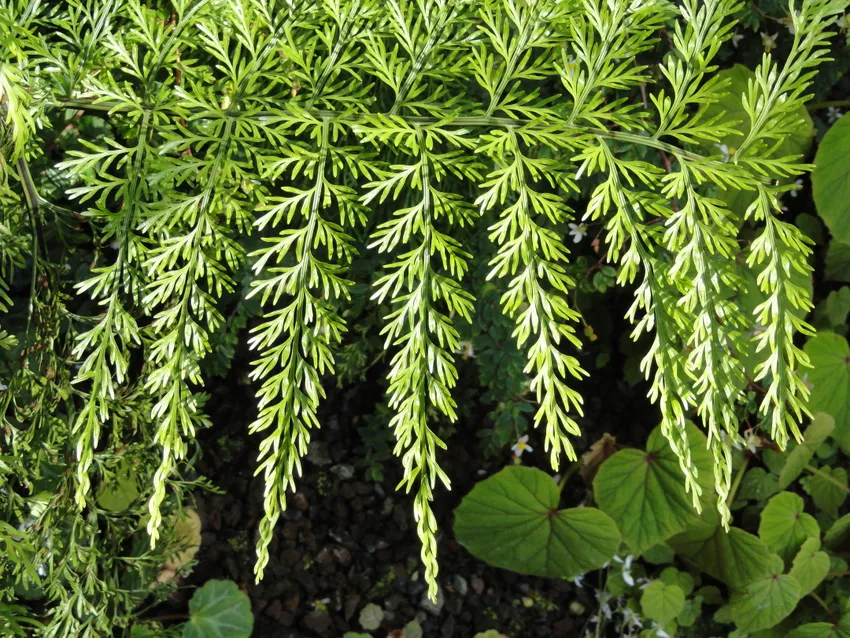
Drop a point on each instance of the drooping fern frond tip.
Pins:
(300, 122)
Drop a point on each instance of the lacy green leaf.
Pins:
(784, 526)
(219, 609)
(511, 520)
(810, 566)
(643, 490)
(830, 186)
(830, 381)
(662, 602)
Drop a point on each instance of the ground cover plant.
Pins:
(491, 221)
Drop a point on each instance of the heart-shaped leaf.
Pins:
(643, 490)
(219, 609)
(662, 602)
(830, 186)
(823, 629)
(767, 601)
(810, 566)
(735, 557)
(511, 520)
(827, 487)
(816, 433)
(784, 526)
(830, 380)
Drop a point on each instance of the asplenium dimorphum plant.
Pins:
(298, 121)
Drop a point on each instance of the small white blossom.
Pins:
(578, 581)
(631, 619)
(522, 446)
(578, 231)
(833, 114)
(725, 151)
(807, 383)
(465, 349)
(604, 607)
(768, 41)
(3, 387)
(736, 38)
(794, 193)
(659, 631)
(842, 23)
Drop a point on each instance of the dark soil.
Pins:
(345, 542)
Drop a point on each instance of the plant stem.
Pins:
(824, 605)
(736, 483)
(816, 106)
(568, 474)
(827, 476)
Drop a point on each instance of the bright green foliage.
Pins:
(661, 602)
(766, 601)
(263, 134)
(643, 491)
(829, 181)
(784, 526)
(512, 520)
(810, 566)
(219, 609)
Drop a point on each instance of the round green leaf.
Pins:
(830, 379)
(662, 602)
(839, 534)
(758, 485)
(823, 630)
(121, 491)
(643, 491)
(816, 433)
(219, 609)
(784, 526)
(735, 557)
(766, 601)
(828, 488)
(810, 566)
(830, 186)
(511, 520)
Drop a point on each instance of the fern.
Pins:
(300, 122)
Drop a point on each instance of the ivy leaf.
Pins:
(643, 491)
(219, 609)
(828, 488)
(810, 566)
(735, 557)
(830, 379)
(662, 602)
(823, 629)
(816, 433)
(511, 520)
(784, 526)
(830, 187)
(766, 601)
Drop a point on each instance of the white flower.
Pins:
(753, 443)
(659, 631)
(832, 114)
(578, 581)
(578, 231)
(522, 446)
(631, 618)
(768, 41)
(726, 151)
(3, 387)
(807, 383)
(604, 607)
(842, 23)
(736, 39)
(465, 349)
(794, 193)
(627, 569)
